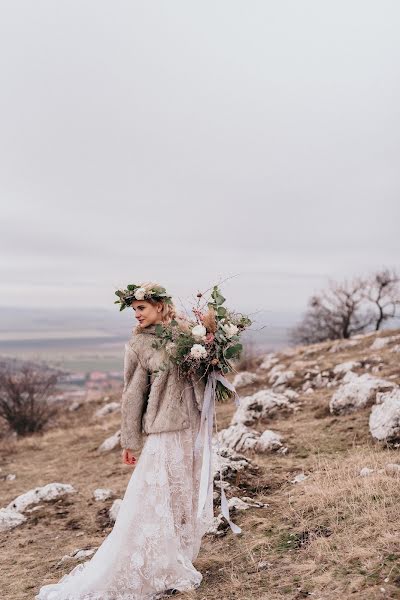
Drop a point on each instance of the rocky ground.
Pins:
(311, 462)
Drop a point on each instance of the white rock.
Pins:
(107, 409)
(309, 392)
(357, 392)
(102, 494)
(10, 518)
(111, 442)
(340, 345)
(238, 504)
(299, 478)
(253, 503)
(231, 462)
(275, 372)
(269, 441)
(392, 469)
(218, 526)
(47, 492)
(113, 512)
(260, 405)
(239, 437)
(384, 420)
(10, 477)
(365, 471)
(77, 555)
(269, 361)
(320, 381)
(381, 342)
(396, 348)
(291, 394)
(244, 378)
(346, 366)
(283, 378)
(74, 405)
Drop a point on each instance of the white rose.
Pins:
(199, 331)
(140, 293)
(230, 329)
(198, 351)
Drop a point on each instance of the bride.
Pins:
(157, 534)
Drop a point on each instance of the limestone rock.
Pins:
(269, 441)
(346, 366)
(51, 491)
(111, 442)
(241, 438)
(10, 518)
(77, 555)
(102, 494)
(269, 361)
(262, 404)
(244, 378)
(384, 420)
(107, 409)
(357, 392)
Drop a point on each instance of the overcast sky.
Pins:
(186, 142)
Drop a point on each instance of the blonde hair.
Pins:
(169, 311)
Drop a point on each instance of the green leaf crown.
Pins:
(127, 296)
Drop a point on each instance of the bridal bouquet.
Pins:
(207, 342)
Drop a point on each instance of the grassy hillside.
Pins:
(332, 536)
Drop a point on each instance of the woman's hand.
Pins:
(128, 457)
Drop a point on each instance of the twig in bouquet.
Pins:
(184, 307)
(220, 282)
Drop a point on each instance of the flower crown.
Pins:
(137, 292)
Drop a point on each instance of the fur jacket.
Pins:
(153, 399)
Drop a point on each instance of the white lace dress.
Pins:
(157, 534)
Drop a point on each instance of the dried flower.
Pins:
(209, 320)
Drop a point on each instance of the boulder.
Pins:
(262, 404)
(382, 342)
(244, 378)
(111, 442)
(269, 361)
(51, 491)
(231, 463)
(269, 441)
(10, 518)
(346, 366)
(107, 409)
(384, 420)
(100, 494)
(241, 438)
(284, 377)
(77, 555)
(357, 392)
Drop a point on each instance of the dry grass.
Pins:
(332, 537)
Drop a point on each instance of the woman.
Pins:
(157, 534)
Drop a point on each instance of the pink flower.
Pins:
(209, 338)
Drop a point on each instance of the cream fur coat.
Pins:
(153, 400)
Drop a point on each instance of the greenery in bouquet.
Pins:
(208, 341)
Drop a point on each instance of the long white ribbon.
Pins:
(204, 438)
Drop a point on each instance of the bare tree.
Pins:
(338, 312)
(24, 398)
(383, 291)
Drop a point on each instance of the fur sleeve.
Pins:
(133, 401)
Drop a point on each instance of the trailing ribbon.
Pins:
(205, 435)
